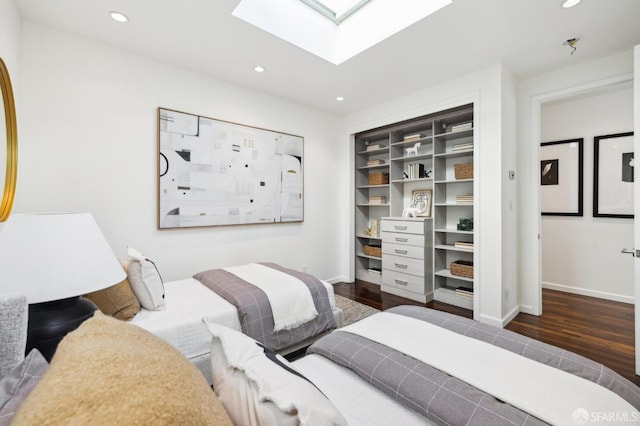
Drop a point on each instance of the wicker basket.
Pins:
(373, 251)
(464, 171)
(462, 268)
(378, 178)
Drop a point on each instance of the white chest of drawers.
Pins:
(406, 258)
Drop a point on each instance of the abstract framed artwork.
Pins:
(613, 175)
(421, 200)
(213, 172)
(561, 177)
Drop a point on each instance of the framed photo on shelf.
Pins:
(421, 200)
(613, 166)
(561, 176)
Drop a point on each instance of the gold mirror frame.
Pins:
(12, 143)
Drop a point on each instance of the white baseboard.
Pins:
(591, 293)
(336, 280)
(511, 315)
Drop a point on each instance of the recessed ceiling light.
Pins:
(570, 3)
(340, 99)
(118, 16)
(259, 69)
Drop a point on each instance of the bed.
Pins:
(188, 302)
(504, 377)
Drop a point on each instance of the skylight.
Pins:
(301, 24)
(336, 10)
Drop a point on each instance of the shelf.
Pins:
(453, 248)
(386, 185)
(378, 166)
(447, 274)
(453, 231)
(455, 135)
(413, 158)
(368, 237)
(375, 151)
(365, 275)
(366, 256)
(372, 205)
(465, 153)
(452, 205)
(411, 180)
(453, 181)
(446, 295)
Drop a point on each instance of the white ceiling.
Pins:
(203, 36)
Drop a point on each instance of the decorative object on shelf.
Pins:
(462, 268)
(371, 250)
(613, 165)
(374, 147)
(462, 126)
(412, 137)
(463, 245)
(222, 173)
(410, 212)
(463, 171)
(413, 151)
(465, 292)
(378, 178)
(377, 199)
(561, 176)
(464, 200)
(415, 171)
(466, 146)
(421, 200)
(465, 224)
(371, 163)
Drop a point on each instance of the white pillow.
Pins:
(256, 391)
(145, 280)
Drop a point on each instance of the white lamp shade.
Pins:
(49, 257)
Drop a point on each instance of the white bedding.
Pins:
(181, 323)
(359, 402)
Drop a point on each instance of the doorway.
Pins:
(581, 253)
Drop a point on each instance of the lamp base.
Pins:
(49, 322)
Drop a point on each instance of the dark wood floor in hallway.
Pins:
(598, 329)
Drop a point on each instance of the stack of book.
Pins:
(464, 199)
(415, 171)
(375, 271)
(377, 199)
(463, 245)
(374, 147)
(375, 163)
(413, 137)
(465, 292)
(462, 126)
(467, 146)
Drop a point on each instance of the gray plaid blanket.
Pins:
(447, 400)
(254, 310)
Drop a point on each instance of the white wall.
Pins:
(485, 89)
(10, 40)
(531, 94)
(582, 254)
(89, 144)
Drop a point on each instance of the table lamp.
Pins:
(53, 259)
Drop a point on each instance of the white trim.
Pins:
(590, 293)
(510, 316)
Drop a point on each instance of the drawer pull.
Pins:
(401, 251)
(401, 282)
(401, 266)
(402, 240)
(401, 228)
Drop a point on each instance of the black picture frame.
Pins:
(613, 175)
(561, 177)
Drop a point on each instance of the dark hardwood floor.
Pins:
(598, 329)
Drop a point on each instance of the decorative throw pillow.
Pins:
(118, 301)
(145, 280)
(16, 386)
(109, 372)
(257, 391)
(14, 312)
